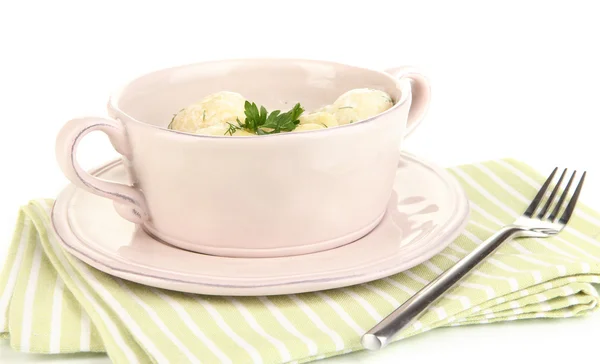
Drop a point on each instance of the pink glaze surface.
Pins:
(260, 196)
(426, 211)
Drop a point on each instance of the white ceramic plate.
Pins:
(426, 212)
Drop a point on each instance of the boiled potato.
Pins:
(218, 129)
(217, 108)
(306, 127)
(323, 118)
(327, 108)
(212, 114)
(360, 104)
(242, 132)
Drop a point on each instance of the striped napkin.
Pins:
(50, 302)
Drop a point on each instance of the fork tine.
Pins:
(538, 198)
(548, 203)
(571, 206)
(562, 198)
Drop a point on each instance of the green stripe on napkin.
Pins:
(50, 302)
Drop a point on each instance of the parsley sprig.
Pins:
(259, 122)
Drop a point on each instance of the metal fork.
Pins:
(535, 222)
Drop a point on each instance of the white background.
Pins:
(509, 78)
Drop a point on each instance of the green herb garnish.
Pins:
(346, 107)
(259, 122)
(173, 119)
(232, 128)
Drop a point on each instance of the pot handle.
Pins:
(421, 95)
(129, 201)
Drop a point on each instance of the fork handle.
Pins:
(383, 333)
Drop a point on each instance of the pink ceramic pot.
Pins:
(258, 196)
